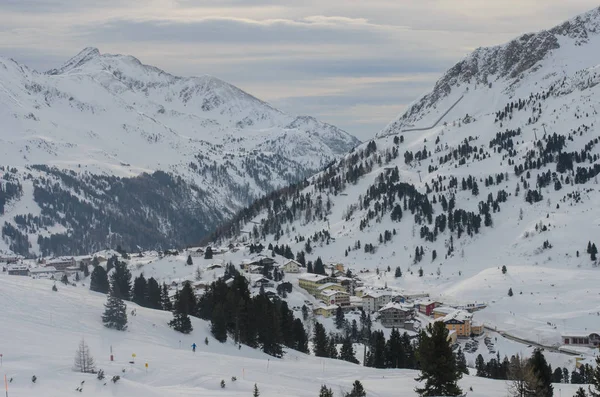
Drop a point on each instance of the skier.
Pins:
(194, 347)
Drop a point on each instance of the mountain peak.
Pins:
(82, 57)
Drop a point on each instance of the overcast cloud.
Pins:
(355, 64)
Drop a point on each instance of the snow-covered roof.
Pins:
(397, 306)
(377, 294)
(331, 292)
(458, 315)
(312, 277)
(326, 307)
(328, 285)
(46, 269)
(17, 267)
(444, 310)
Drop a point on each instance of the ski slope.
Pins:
(41, 330)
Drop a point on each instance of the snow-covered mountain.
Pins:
(497, 165)
(101, 125)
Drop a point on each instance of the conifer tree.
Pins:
(189, 261)
(325, 392)
(208, 254)
(99, 280)
(154, 294)
(357, 390)
(339, 318)
(140, 291)
(543, 373)
(438, 364)
(581, 393)
(64, 279)
(595, 380)
(255, 393)
(165, 300)
(398, 272)
(461, 361)
(300, 338)
(115, 310)
(218, 325)
(510, 292)
(319, 267)
(320, 342)
(503, 269)
(347, 351)
(121, 277)
(181, 320)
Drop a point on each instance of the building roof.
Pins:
(46, 269)
(328, 285)
(326, 307)
(444, 310)
(292, 261)
(458, 315)
(332, 292)
(396, 306)
(377, 294)
(578, 334)
(17, 267)
(313, 277)
(425, 303)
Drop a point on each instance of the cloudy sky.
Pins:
(353, 63)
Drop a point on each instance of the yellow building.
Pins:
(460, 322)
(325, 311)
(442, 311)
(311, 282)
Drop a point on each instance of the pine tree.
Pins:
(595, 380)
(208, 254)
(198, 274)
(320, 342)
(64, 279)
(115, 312)
(461, 361)
(438, 364)
(521, 378)
(181, 321)
(189, 261)
(255, 393)
(357, 390)
(121, 276)
(300, 338)
(339, 318)
(543, 373)
(420, 272)
(581, 393)
(398, 272)
(84, 362)
(319, 267)
(503, 269)
(331, 348)
(325, 392)
(99, 280)
(218, 325)
(510, 292)
(347, 351)
(154, 294)
(140, 291)
(165, 300)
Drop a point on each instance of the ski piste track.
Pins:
(434, 124)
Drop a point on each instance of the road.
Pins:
(532, 343)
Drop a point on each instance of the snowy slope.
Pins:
(49, 333)
(534, 87)
(103, 114)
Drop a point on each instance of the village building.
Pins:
(325, 311)
(196, 253)
(18, 270)
(334, 297)
(62, 263)
(461, 321)
(214, 266)
(262, 282)
(442, 311)
(311, 282)
(396, 315)
(582, 339)
(43, 272)
(292, 267)
(426, 307)
(375, 300)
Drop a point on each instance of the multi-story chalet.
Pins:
(375, 300)
(311, 282)
(396, 315)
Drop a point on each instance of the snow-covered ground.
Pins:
(41, 330)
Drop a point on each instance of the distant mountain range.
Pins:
(498, 164)
(106, 150)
